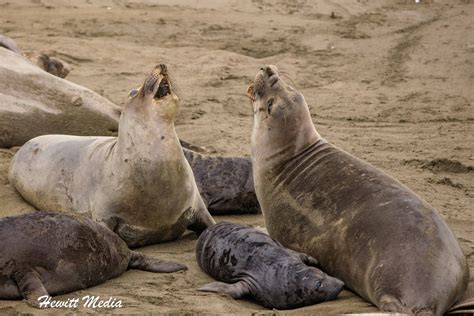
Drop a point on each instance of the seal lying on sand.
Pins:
(225, 183)
(365, 228)
(53, 65)
(251, 263)
(46, 253)
(138, 183)
(34, 102)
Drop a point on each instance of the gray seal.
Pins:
(139, 184)
(45, 253)
(366, 228)
(225, 183)
(249, 262)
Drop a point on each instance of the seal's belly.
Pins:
(359, 223)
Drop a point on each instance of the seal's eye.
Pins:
(270, 105)
(319, 284)
(132, 93)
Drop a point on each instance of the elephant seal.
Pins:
(251, 263)
(225, 183)
(53, 65)
(139, 184)
(9, 44)
(46, 253)
(366, 228)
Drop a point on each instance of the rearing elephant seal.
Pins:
(46, 253)
(251, 263)
(138, 183)
(366, 228)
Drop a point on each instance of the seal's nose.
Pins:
(163, 68)
(269, 71)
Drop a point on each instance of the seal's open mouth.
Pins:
(273, 79)
(163, 89)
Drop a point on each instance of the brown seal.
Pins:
(364, 227)
(45, 253)
(138, 183)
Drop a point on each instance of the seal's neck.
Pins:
(143, 137)
(275, 141)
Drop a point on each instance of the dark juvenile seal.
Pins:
(366, 228)
(139, 184)
(225, 183)
(251, 263)
(46, 253)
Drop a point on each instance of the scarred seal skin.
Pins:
(139, 184)
(46, 253)
(249, 262)
(366, 228)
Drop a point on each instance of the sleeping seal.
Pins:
(251, 263)
(139, 184)
(366, 228)
(45, 253)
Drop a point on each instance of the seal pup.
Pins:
(139, 184)
(251, 263)
(44, 253)
(366, 228)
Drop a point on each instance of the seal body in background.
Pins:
(45, 253)
(366, 228)
(225, 183)
(248, 262)
(139, 184)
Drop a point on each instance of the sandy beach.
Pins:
(391, 82)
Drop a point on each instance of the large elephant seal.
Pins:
(45, 253)
(34, 102)
(139, 183)
(366, 228)
(251, 263)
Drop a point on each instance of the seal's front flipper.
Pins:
(140, 261)
(236, 290)
(307, 259)
(202, 220)
(30, 286)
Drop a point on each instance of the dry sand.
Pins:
(389, 81)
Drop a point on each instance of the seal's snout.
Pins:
(158, 82)
(163, 68)
(333, 286)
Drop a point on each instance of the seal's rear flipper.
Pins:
(143, 262)
(31, 287)
(236, 290)
(202, 220)
(465, 307)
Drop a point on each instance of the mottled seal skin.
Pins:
(366, 228)
(45, 253)
(225, 183)
(251, 263)
(139, 184)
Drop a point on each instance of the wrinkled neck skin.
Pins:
(284, 130)
(147, 131)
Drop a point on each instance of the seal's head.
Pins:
(314, 286)
(156, 96)
(282, 122)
